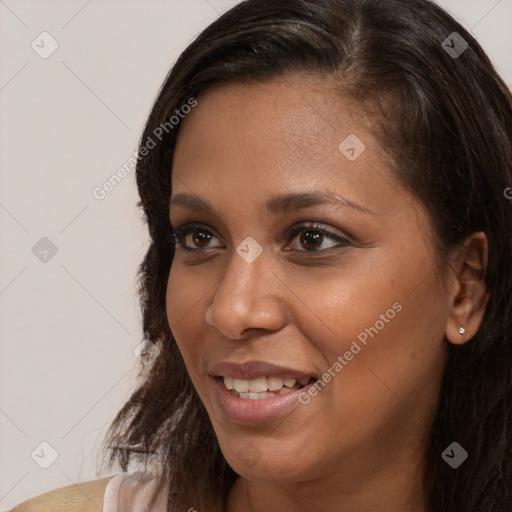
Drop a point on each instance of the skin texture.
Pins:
(357, 445)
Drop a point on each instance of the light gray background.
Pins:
(69, 325)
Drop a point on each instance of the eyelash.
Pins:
(181, 231)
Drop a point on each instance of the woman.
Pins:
(328, 286)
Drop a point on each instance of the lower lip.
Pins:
(242, 410)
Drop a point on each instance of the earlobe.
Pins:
(469, 298)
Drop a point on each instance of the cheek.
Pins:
(331, 309)
(175, 301)
(186, 296)
(391, 365)
(183, 306)
(386, 319)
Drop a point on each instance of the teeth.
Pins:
(262, 384)
(275, 383)
(258, 385)
(228, 382)
(242, 386)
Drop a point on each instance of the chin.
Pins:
(263, 461)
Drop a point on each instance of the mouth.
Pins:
(264, 387)
(257, 392)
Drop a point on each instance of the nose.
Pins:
(247, 298)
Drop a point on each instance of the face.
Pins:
(304, 278)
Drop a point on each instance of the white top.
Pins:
(125, 493)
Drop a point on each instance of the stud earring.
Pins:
(462, 330)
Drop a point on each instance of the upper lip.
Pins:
(254, 369)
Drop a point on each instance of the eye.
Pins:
(312, 237)
(199, 234)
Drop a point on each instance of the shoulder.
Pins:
(84, 497)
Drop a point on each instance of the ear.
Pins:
(469, 296)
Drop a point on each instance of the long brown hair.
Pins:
(446, 123)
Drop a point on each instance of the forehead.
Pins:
(293, 114)
(289, 134)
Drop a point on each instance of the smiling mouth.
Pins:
(264, 387)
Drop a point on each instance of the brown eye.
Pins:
(311, 239)
(200, 238)
(193, 237)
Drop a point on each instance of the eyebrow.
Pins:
(279, 205)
